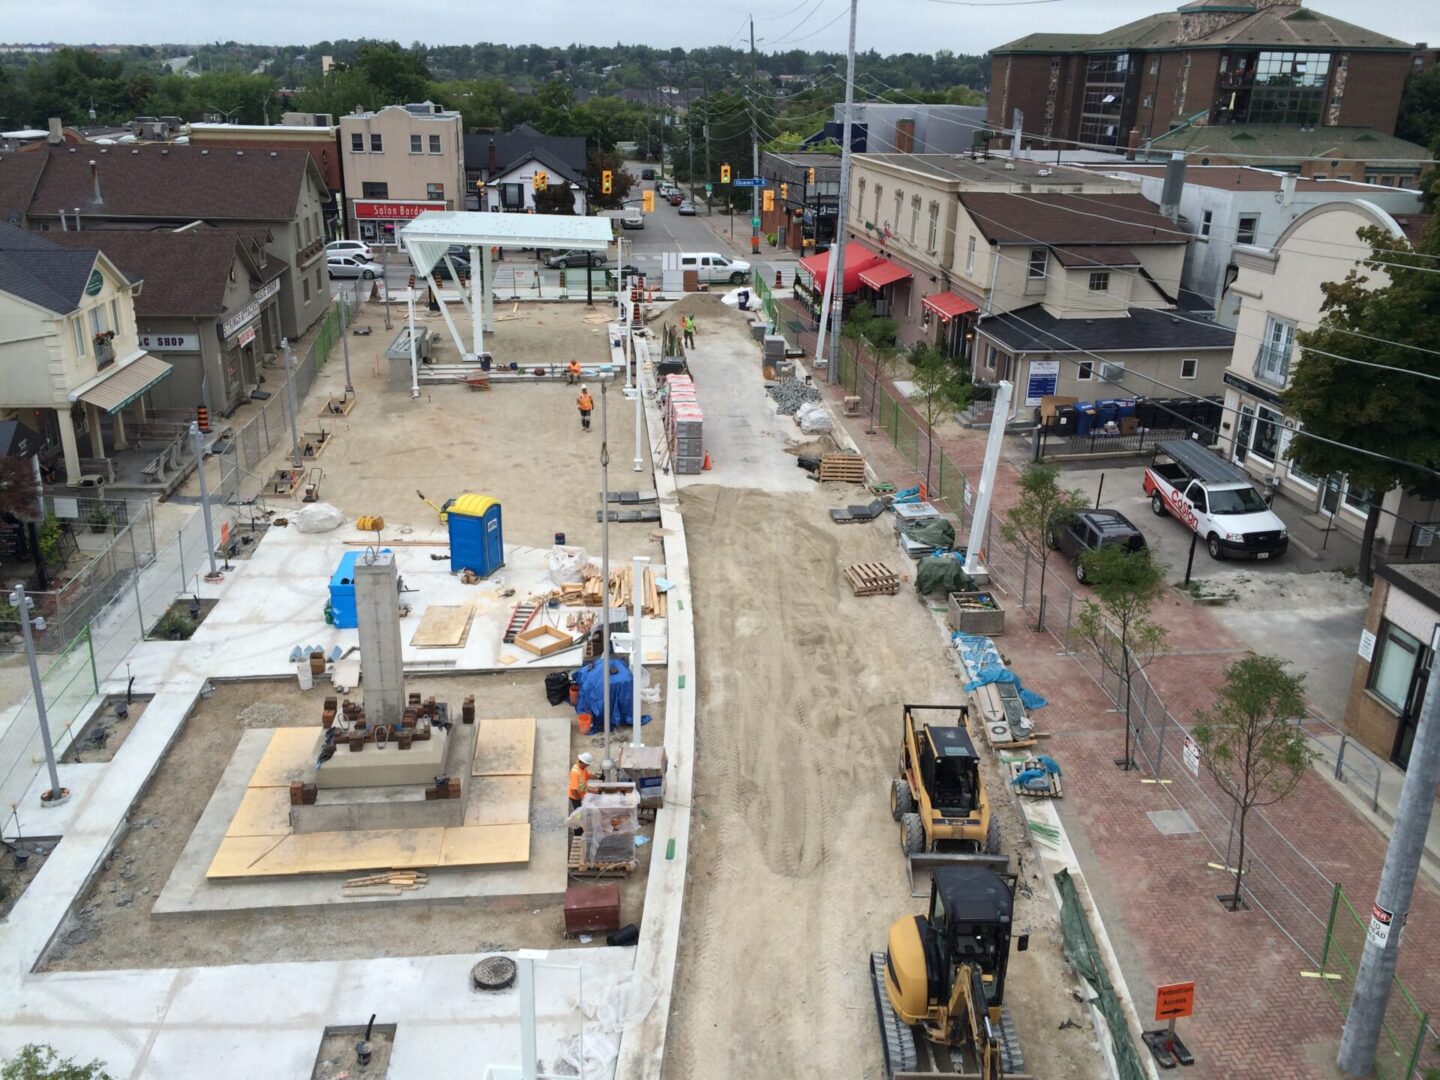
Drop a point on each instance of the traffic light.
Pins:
(724, 174)
(542, 180)
(784, 192)
(810, 176)
(767, 200)
(647, 201)
(605, 181)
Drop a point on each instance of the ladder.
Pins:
(520, 619)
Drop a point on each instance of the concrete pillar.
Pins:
(121, 443)
(377, 593)
(68, 444)
(93, 424)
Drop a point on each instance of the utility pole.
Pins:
(754, 151)
(843, 210)
(1374, 979)
(705, 85)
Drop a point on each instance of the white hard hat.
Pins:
(586, 758)
(584, 386)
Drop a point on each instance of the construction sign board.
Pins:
(1175, 1001)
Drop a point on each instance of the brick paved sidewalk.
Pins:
(1255, 1015)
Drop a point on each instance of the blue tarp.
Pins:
(592, 691)
(983, 661)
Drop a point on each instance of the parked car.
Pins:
(462, 267)
(710, 266)
(633, 219)
(647, 174)
(358, 248)
(350, 266)
(675, 198)
(1076, 535)
(1215, 499)
(574, 257)
(687, 208)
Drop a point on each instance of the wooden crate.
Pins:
(972, 620)
(872, 579)
(846, 468)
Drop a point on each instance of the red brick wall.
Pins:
(1029, 83)
(1373, 87)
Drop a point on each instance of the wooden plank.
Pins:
(326, 853)
(486, 845)
(499, 800)
(264, 811)
(289, 755)
(504, 746)
(443, 626)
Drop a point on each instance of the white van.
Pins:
(712, 267)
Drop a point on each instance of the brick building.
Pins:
(1208, 63)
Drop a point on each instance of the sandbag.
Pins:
(942, 574)
(317, 518)
(565, 564)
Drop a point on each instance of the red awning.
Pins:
(878, 275)
(857, 258)
(948, 304)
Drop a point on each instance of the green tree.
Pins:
(40, 1062)
(1390, 414)
(557, 198)
(1419, 117)
(866, 330)
(1042, 507)
(1117, 623)
(940, 387)
(1249, 741)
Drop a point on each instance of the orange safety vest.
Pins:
(586, 402)
(579, 780)
(574, 367)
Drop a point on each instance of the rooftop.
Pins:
(1282, 141)
(513, 146)
(1420, 580)
(963, 167)
(1243, 178)
(421, 110)
(43, 273)
(1069, 219)
(1033, 329)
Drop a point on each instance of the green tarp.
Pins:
(942, 574)
(937, 533)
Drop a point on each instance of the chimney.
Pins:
(1134, 144)
(57, 132)
(1288, 183)
(1174, 185)
(95, 179)
(76, 212)
(491, 165)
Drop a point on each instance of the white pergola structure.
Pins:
(430, 236)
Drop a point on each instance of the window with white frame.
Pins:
(914, 218)
(932, 235)
(417, 144)
(899, 205)
(435, 192)
(1100, 281)
(1086, 370)
(78, 325)
(1207, 219)
(115, 315)
(1272, 362)
(435, 144)
(970, 254)
(1246, 230)
(357, 142)
(377, 144)
(1397, 655)
(1189, 368)
(1036, 268)
(97, 321)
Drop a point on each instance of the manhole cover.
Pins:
(1171, 822)
(493, 973)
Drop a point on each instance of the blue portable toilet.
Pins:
(477, 543)
(342, 591)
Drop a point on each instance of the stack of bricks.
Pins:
(445, 787)
(302, 794)
(684, 425)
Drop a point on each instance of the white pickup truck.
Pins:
(1215, 499)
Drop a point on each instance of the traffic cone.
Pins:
(924, 493)
(706, 466)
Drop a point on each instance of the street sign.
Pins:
(754, 222)
(1191, 755)
(709, 188)
(1174, 1001)
(747, 181)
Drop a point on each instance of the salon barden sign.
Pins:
(231, 326)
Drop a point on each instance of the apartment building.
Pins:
(398, 162)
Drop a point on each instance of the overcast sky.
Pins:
(884, 25)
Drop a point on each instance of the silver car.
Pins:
(575, 257)
(350, 266)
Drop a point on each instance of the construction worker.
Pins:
(586, 404)
(572, 373)
(689, 325)
(579, 779)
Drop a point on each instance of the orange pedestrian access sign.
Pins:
(1175, 1001)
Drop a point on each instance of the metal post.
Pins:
(1329, 927)
(414, 358)
(981, 513)
(23, 606)
(606, 763)
(637, 647)
(844, 207)
(589, 278)
(477, 317)
(197, 443)
(639, 410)
(345, 337)
(290, 400)
(1376, 975)
(135, 559)
(1190, 562)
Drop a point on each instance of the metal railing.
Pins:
(1348, 752)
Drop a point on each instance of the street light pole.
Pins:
(838, 245)
(23, 605)
(197, 443)
(639, 409)
(290, 400)
(606, 764)
(345, 337)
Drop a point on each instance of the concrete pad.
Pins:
(39, 820)
(264, 811)
(498, 800)
(291, 753)
(504, 746)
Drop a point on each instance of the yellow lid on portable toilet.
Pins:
(477, 543)
(470, 505)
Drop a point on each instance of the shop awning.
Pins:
(948, 304)
(857, 258)
(120, 387)
(878, 275)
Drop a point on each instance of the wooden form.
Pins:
(872, 579)
(543, 640)
(285, 481)
(504, 746)
(340, 406)
(845, 467)
(443, 626)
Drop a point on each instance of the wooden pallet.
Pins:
(1056, 791)
(846, 468)
(579, 866)
(872, 579)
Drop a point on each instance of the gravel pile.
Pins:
(791, 394)
(262, 714)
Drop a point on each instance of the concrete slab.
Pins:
(498, 800)
(504, 746)
(1171, 822)
(39, 820)
(386, 766)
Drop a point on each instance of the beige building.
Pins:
(1280, 295)
(397, 163)
(71, 366)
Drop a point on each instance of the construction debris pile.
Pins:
(587, 592)
(791, 394)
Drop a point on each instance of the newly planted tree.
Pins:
(940, 386)
(1250, 743)
(1042, 508)
(1117, 623)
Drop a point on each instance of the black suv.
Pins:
(1079, 534)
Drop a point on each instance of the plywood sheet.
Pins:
(290, 754)
(443, 627)
(237, 856)
(504, 746)
(264, 811)
(498, 800)
(486, 845)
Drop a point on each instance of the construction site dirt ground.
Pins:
(796, 870)
(111, 926)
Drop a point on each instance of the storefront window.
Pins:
(1267, 433)
(1397, 655)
